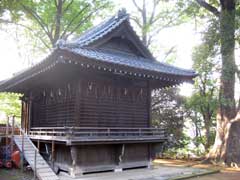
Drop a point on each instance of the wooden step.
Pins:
(44, 171)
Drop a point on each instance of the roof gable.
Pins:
(120, 44)
(106, 33)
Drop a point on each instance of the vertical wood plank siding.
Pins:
(93, 102)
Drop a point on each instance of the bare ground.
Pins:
(225, 174)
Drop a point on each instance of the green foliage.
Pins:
(44, 22)
(168, 113)
(202, 105)
(10, 104)
(183, 152)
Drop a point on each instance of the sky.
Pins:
(183, 37)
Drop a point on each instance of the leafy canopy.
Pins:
(46, 21)
(10, 104)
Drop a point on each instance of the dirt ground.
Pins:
(225, 173)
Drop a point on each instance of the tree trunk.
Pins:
(144, 19)
(227, 131)
(207, 123)
(59, 7)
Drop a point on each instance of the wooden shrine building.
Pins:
(87, 105)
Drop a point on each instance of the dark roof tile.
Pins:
(131, 61)
(99, 31)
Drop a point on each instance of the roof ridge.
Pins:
(100, 30)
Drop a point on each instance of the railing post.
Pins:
(69, 133)
(140, 131)
(35, 165)
(108, 130)
(72, 132)
(22, 158)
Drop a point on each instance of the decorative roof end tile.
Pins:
(122, 12)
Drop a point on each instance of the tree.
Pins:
(150, 18)
(153, 16)
(204, 99)
(227, 138)
(10, 104)
(168, 112)
(51, 20)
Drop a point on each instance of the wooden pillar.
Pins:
(149, 121)
(73, 151)
(22, 114)
(53, 153)
(29, 113)
(7, 130)
(149, 103)
(25, 114)
(38, 145)
(120, 155)
(13, 129)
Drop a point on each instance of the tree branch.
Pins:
(43, 41)
(58, 18)
(66, 9)
(38, 19)
(18, 24)
(171, 50)
(136, 5)
(73, 19)
(85, 19)
(155, 3)
(136, 20)
(28, 28)
(209, 7)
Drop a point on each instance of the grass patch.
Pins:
(15, 174)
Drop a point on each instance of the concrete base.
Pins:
(159, 172)
(72, 172)
(118, 170)
(150, 164)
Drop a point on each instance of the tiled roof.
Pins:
(82, 47)
(130, 60)
(100, 30)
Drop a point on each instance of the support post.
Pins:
(22, 154)
(29, 113)
(53, 153)
(35, 165)
(38, 144)
(120, 159)
(150, 155)
(7, 129)
(13, 129)
(74, 161)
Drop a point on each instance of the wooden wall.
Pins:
(93, 102)
(92, 158)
